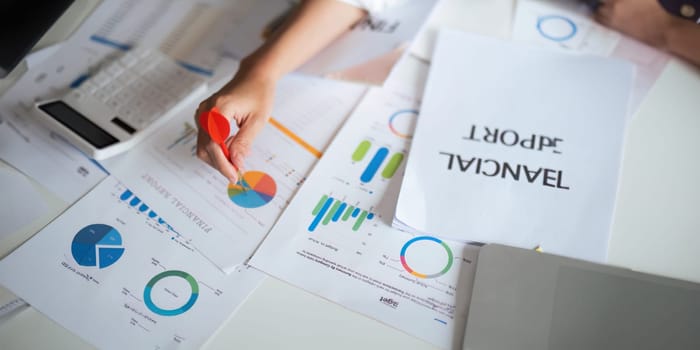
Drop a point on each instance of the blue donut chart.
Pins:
(179, 310)
(544, 19)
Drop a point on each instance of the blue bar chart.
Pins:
(330, 210)
(378, 160)
(131, 199)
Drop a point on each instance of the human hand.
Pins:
(644, 20)
(247, 100)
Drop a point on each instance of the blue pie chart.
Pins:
(97, 245)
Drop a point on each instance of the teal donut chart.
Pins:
(177, 311)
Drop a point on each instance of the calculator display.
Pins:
(77, 122)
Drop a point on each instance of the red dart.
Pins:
(217, 126)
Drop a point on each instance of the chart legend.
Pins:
(254, 190)
(329, 209)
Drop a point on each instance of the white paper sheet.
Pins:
(517, 145)
(335, 238)
(46, 157)
(383, 37)
(21, 202)
(228, 226)
(568, 25)
(111, 270)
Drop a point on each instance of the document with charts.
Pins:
(569, 25)
(226, 222)
(519, 146)
(335, 238)
(112, 270)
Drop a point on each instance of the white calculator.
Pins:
(125, 101)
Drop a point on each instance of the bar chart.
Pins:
(377, 161)
(330, 210)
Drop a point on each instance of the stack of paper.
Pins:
(128, 278)
(335, 239)
(517, 145)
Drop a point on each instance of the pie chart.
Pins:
(254, 190)
(97, 245)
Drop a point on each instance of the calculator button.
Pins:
(139, 87)
(114, 70)
(101, 95)
(88, 87)
(100, 79)
(112, 88)
(128, 60)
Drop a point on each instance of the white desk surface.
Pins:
(656, 225)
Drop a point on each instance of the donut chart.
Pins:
(402, 123)
(148, 298)
(254, 190)
(413, 272)
(556, 28)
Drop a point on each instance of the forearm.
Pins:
(683, 39)
(312, 26)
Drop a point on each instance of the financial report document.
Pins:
(227, 222)
(115, 272)
(522, 146)
(335, 239)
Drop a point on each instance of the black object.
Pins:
(24, 22)
(77, 122)
(686, 9)
(593, 4)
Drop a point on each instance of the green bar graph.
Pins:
(346, 216)
(330, 214)
(394, 163)
(361, 150)
(360, 220)
(329, 210)
(319, 205)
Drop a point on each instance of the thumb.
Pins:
(241, 143)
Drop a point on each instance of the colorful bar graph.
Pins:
(346, 216)
(319, 205)
(330, 214)
(361, 150)
(392, 165)
(377, 161)
(374, 164)
(329, 209)
(323, 206)
(339, 212)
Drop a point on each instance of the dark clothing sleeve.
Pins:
(688, 9)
